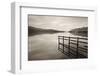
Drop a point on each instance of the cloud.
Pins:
(57, 22)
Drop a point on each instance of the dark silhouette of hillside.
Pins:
(80, 31)
(36, 31)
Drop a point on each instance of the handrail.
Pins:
(74, 37)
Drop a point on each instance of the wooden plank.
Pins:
(83, 48)
(83, 42)
(83, 38)
(73, 43)
(73, 47)
(73, 40)
(74, 37)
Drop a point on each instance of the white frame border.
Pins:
(16, 29)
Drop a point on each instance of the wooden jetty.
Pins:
(73, 47)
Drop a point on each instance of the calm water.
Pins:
(45, 46)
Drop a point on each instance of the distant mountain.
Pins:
(35, 31)
(80, 31)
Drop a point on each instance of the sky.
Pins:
(63, 23)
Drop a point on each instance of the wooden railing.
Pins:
(73, 47)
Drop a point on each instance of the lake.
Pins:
(45, 46)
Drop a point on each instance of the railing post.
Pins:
(69, 47)
(77, 47)
(63, 44)
(58, 42)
